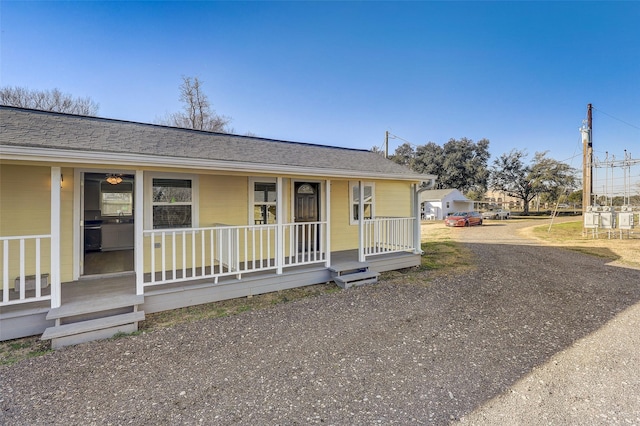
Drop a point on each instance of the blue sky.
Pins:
(342, 73)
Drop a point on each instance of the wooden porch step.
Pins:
(360, 278)
(341, 268)
(85, 331)
(95, 305)
(91, 325)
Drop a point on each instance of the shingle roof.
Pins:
(41, 129)
(439, 194)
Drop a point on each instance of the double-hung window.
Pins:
(173, 203)
(368, 201)
(263, 202)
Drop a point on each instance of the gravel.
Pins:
(533, 335)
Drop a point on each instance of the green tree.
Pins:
(459, 164)
(575, 198)
(429, 158)
(404, 155)
(464, 165)
(544, 176)
(553, 178)
(510, 174)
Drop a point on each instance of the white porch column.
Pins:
(56, 291)
(327, 219)
(417, 226)
(279, 227)
(361, 257)
(138, 221)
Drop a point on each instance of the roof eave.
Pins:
(126, 160)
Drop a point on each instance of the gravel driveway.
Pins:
(534, 335)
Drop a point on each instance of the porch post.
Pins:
(138, 221)
(279, 227)
(361, 257)
(56, 291)
(417, 226)
(327, 219)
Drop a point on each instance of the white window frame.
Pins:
(148, 196)
(352, 203)
(252, 201)
(129, 191)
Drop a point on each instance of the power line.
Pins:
(392, 136)
(615, 118)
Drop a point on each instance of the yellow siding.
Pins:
(223, 199)
(25, 205)
(393, 199)
(24, 210)
(343, 235)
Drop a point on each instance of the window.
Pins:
(116, 200)
(172, 203)
(369, 201)
(264, 203)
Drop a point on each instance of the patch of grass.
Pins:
(567, 231)
(570, 236)
(445, 254)
(15, 346)
(121, 334)
(12, 351)
(442, 256)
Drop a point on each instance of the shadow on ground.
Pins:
(485, 330)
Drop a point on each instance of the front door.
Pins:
(307, 210)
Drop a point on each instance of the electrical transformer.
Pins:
(591, 218)
(607, 218)
(625, 218)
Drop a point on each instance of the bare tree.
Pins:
(47, 100)
(197, 113)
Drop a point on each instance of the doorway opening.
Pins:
(108, 223)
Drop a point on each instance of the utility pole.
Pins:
(587, 160)
(386, 144)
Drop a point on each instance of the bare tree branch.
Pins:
(47, 100)
(197, 113)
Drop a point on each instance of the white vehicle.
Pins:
(497, 214)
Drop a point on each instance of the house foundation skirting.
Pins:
(30, 319)
(183, 296)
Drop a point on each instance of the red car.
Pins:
(463, 219)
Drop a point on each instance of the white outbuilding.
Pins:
(435, 204)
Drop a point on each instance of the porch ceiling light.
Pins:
(113, 179)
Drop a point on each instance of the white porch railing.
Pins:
(388, 235)
(183, 254)
(305, 242)
(22, 256)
